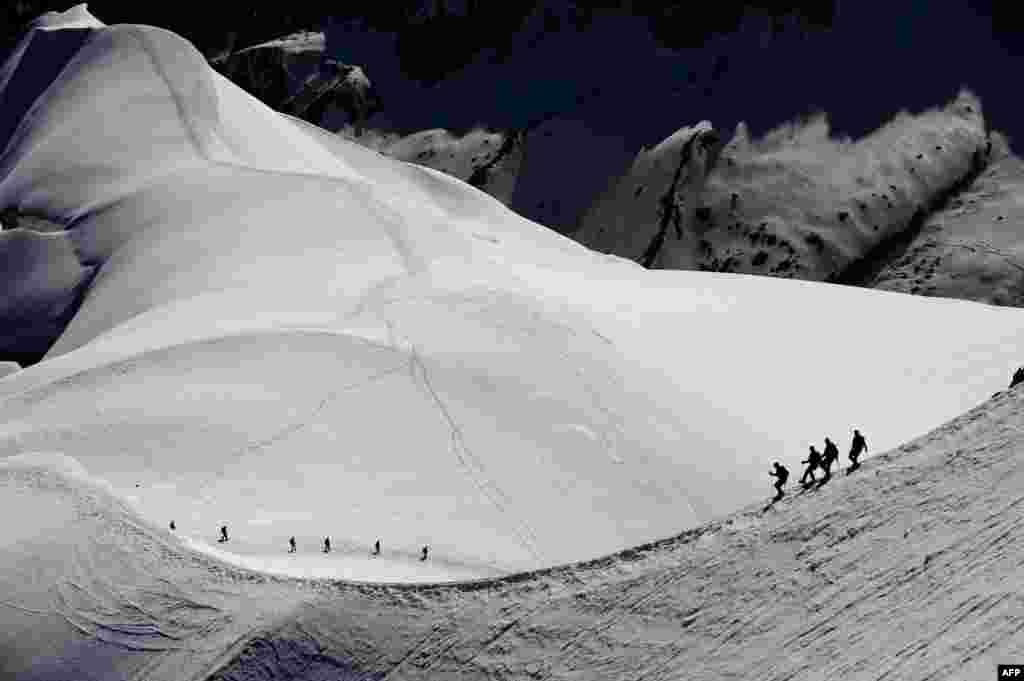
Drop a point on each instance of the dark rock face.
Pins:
(488, 160)
(295, 76)
(12, 218)
(927, 205)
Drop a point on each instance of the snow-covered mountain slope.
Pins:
(797, 203)
(294, 335)
(906, 570)
(973, 248)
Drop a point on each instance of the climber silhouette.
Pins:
(1018, 377)
(327, 544)
(376, 548)
(424, 556)
(223, 534)
(781, 475)
(173, 526)
(828, 457)
(291, 545)
(813, 461)
(858, 446)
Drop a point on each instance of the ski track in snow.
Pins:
(470, 463)
(303, 423)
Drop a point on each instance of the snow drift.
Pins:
(294, 335)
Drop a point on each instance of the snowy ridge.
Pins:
(670, 178)
(906, 570)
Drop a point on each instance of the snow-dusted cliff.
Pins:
(294, 75)
(801, 204)
(648, 215)
(972, 247)
(488, 160)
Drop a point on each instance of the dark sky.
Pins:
(877, 58)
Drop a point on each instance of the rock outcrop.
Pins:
(801, 204)
(973, 246)
(647, 215)
(12, 218)
(296, 76)
(907, 570)
(488, 160)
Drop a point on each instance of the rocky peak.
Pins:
(294, 75)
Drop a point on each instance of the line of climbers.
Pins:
(820, 460)
(824, 460)
(292, 547)
(376, 548)
(814, 461)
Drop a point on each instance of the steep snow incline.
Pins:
(294, 335)
(88, 590)
(908, 570)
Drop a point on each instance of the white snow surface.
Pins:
(293, 335)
